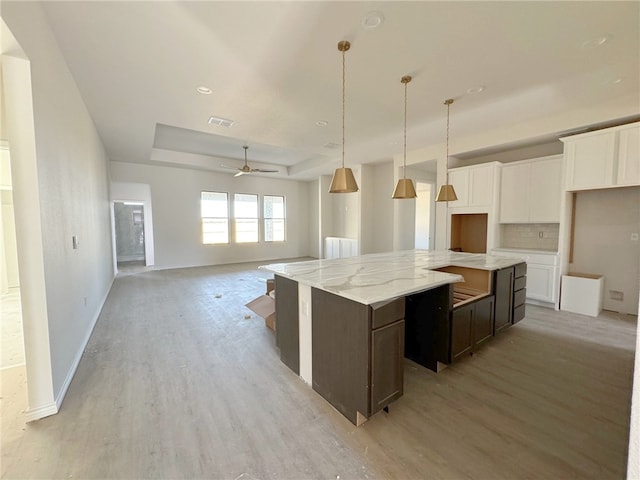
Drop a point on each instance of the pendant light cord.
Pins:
(343, 102)
(448, 104)
(404, 163)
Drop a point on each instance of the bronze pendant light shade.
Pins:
(343, 180)
(447, 192)
(404, 187)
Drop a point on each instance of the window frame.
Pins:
(235, 219)
(283, 218)
(204, 218)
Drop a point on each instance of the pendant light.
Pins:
(404, 187)
(446, 192)
(343, 180)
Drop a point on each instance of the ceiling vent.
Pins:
(221, 122)
(331, 145)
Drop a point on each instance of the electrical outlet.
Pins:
(540, 234)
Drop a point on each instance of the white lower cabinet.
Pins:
(541, 282)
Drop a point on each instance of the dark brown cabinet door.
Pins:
(387, 365)
(504, 298)
(340, 343)
(461, 331)
(287, 329)
(483, 320)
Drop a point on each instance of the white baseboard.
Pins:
(41, 412)
(76, 361)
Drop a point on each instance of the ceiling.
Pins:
(274, 70)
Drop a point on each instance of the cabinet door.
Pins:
(480, 186)
(540, 282)
(503, 298)
(460, 180)
(287, 322)
(590, 161)
(629, 156)
(514, 194)
(483, 320)
(340, 352)
(461, 331)
(387, 365)
(545, 191)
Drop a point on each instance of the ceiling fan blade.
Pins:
(240, 173)
(263, 170)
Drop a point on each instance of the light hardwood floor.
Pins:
(177, 383)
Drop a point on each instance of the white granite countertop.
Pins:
(380, 277)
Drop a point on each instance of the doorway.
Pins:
(130, 235)
(423, 216)
(11, 326)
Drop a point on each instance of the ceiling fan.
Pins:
(246, 168)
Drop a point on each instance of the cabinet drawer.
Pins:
(388, 313)
(518, 313)
(521, 270)
(519, 283)
(519, 297)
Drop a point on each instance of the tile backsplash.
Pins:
(537, 236)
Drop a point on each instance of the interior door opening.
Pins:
(130, 235)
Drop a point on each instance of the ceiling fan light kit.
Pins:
(343, 180)
(246, 168)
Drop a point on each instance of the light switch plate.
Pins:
(634, 237)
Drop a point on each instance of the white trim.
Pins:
(41, 412)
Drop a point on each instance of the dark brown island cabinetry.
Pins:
(504, 298)
(519, 291)
(471, 326)
(357, 353)
(287, 329)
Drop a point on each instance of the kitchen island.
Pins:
(345, 325)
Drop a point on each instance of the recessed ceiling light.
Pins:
(613, 81)
(372, 20)
(204, 90)
(595, 42)
(322, 123)
(477, 89)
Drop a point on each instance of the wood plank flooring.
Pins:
(177, 383)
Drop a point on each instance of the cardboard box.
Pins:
(582, 293)
(265, 306)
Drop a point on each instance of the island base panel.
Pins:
(287, 323)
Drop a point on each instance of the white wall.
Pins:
(72, 187)
(175, 194)
(380, 212)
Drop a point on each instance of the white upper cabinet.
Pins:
(629, 155)
(474, 185)
(603, 159)
(531, 191)
(459, 178)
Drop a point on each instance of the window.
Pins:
(273, 218)
(214, 209)
(245, 214)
